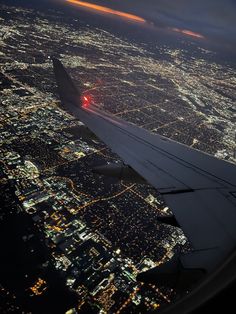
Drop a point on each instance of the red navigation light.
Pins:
(86, 100)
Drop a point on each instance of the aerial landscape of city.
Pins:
(85, 237)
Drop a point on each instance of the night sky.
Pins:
(211, 21)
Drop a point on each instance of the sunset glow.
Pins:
(187, 32)
(107, 10)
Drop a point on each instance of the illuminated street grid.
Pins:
(100, 232)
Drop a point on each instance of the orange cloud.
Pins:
(107, 10)
(187, 32)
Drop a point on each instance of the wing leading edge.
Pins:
(200, 189)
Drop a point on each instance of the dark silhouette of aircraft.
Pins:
(200, 190)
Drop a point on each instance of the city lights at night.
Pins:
(85, 212)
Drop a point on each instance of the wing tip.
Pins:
(68, 92)
(56, 62)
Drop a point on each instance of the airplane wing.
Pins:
(199, 189)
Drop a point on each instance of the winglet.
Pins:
(68, 92)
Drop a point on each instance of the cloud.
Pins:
(106, 10)
(187, 32)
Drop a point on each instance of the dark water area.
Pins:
(25, 259)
